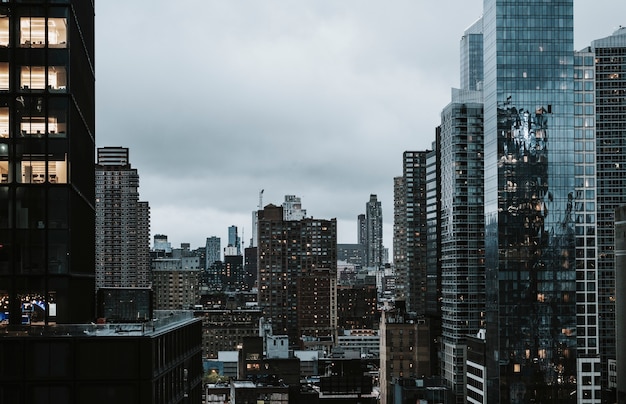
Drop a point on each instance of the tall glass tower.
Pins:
(529, 199)
(47, 218)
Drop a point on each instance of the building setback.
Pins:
(122, 223)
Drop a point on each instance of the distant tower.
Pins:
(213, 250)
(255, 221)
(360, 222)
(161, 244)
(233, 238)
(122, 223)
(373, 233)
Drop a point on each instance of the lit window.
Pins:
(57, 32)
(32, 32)
(4, 122)
(35, 170)
(34, 78)
(4, 31)
(4, 76)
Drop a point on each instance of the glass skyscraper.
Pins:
(529, 200)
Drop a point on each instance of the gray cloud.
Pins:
(219, 99)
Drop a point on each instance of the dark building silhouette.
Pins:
(51, 349)
(47, 149)
(357, 307)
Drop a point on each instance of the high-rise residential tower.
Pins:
(589, 367)
(47, 123)
(399, 238)
(297, 278)
(410, 231)
(122, 223)
(374, 254)
(609, 56)
(529, 200)
(213, 250)
(620, 298)
(462, 234)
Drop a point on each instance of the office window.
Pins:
(33, 32)
(57, 32)
(34, 78)
(4, 30)
(34, 169)
(4, 77)
(4, 122)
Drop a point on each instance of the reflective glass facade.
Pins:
(472, 57)
(46, 162)
(529, 201)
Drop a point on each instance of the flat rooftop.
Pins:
(163, 320)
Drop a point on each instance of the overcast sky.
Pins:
(218, 99)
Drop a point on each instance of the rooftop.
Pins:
(163, 321)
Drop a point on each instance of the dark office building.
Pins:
(352, 254)
(47, 162)
(143, 363)
(357, 307)
(250, 267)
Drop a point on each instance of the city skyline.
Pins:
(351, 76)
